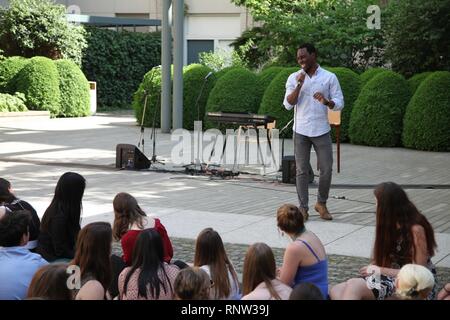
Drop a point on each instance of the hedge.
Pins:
(74, 88)
(12, 103)
(351, 86)
(265, 77)
(152, 85)
(39, 81)
(272, 101)
(9, 68)
(235, 91)
(193, 82)
(426, 123)
(367, 75)
(415, 81)
(377, 115)
(117, 61)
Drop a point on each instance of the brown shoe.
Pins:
(321, 208)
(304, 213)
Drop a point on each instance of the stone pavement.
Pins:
(33, 154)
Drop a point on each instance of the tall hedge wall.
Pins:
(117, 61)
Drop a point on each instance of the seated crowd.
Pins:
(56, 259)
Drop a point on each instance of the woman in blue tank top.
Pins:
(305, 259)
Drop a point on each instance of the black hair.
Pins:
(306, 291)
(309, 47)
(13, 226)
(5, 195)
(148, 256)
(66, 201)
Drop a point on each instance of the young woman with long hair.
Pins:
(149, 277)
(210, 255)
(259, 280)
(93, 258)
(130, 220)
(50, 283)
(61, 221)
(402, 236)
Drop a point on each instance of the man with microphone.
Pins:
(311, 91)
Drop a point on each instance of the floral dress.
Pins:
(383, 286)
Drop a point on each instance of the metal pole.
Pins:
(178, 35)
(166, 61)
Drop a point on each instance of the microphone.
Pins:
(209, 75)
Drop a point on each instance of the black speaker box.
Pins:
(128, 156)
(289, 171)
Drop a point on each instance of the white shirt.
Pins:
(311, 116)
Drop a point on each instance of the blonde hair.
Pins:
(414, 282)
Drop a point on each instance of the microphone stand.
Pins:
(153, 134)
(146, 93)
(196, 106)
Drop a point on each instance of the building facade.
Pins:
(210, 25)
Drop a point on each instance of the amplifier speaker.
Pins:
(128, 156)
(289, 170)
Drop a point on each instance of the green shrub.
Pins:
(426, 124)
(351, 86)
(194, 81)
(152, 86)
(222, 72)
(9, 68)
(415, 81)
(118, 61)
(272, 101)
(265, 77)
(9, 103)
(40, 28)
(235, 91)
(367, 75)
(74, 88)
(377, 116)
(39, 81)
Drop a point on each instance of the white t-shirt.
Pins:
(234, 291)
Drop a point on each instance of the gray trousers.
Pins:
(324, 152)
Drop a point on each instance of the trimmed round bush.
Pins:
(272, 101)
(426, 124)
(415, 81)
(152, 86)
(193, 81)
(12, 103)
(74, 89)
(235, 91)
(9, 68)
(367, 75)
(39, 81)
(351, 86)
(377, 116)
(265, 77)
(221, 73)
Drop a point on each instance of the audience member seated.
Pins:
(61, 221)
(305, 259)
(149, 277)
(444, 294)
(259, 280)
(93, 258)
(210, 255)
(50, 283)
(129, 221)
(402, 236)
(306, 291)
(192, 283)
(12, 203)
(17, 263)
(414, 282)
